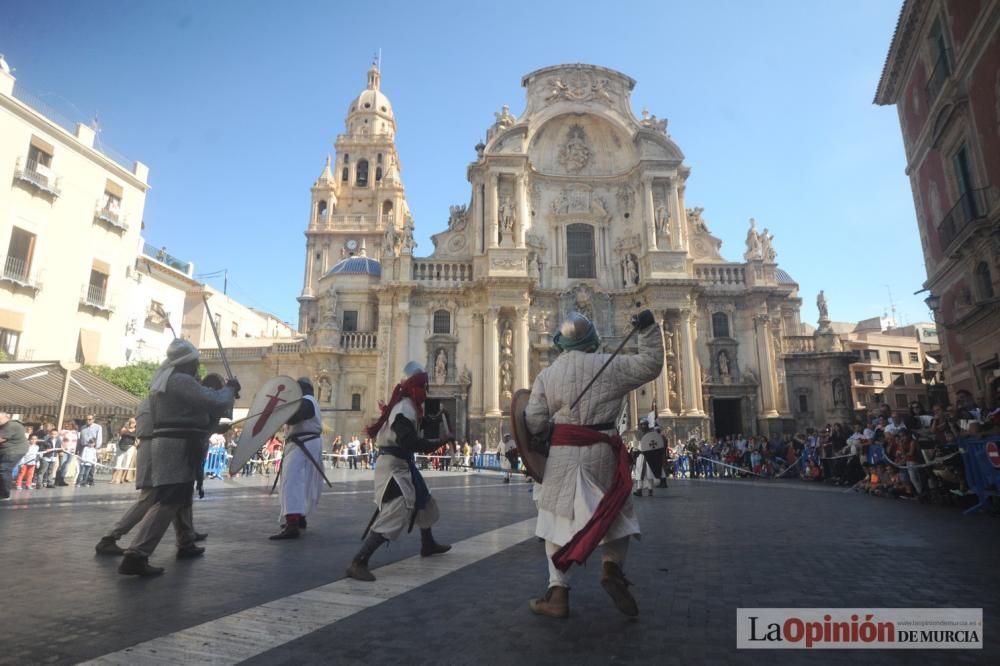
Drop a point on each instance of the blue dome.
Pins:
(784, 278)
(357, 266)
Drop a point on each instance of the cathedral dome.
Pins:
(356, 266)
(371, 99)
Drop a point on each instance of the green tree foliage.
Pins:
(134, 378)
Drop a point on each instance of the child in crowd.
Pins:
(28, 464)
(87, 462)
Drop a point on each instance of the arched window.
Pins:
(345, 174)
(321, 209)
(378, 173)
(720, 325)
(442, 322)
(378, 159)
(984, 281)
(580, 251)
(361, 180)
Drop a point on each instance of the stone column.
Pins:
(492, 202)
(677, 231)
(523, 214)
(478, 365)
(491, 363)
(690, 368)
(650, 216)
(765, 357)
(401, 335)
(522, 350)
(663, 381)
(308, 280)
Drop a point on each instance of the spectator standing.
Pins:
(13, 445)
(87, 462)
(477, 455)
(28, 464)
(126, 452)
(466, 455)
(68, 466)
(352, 452)
(49, 459)
(91, 431)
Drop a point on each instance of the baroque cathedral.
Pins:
(576, 204)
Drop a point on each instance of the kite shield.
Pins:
(276, 401)
(533, 449)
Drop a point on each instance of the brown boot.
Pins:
(555, 603)
(359, 565)
(614, 583)
(428, 546)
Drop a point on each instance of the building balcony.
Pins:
(37, 176)
(939, 75)
(17, 272)
(441, 273)
(96, 297)
(110, 216)
(722, 275)
(972, 207)
(359, 340)
(161, 256)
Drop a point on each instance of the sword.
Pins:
(603, 367)
(311, 459)
(218, 340)
(370, 523)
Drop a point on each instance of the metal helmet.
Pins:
(306, 385)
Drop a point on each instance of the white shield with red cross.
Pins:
(276, 401)
(993, 453)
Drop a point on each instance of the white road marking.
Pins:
(247, 633)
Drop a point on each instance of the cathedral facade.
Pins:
(577, 204)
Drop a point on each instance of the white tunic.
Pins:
(301, 483)
(576, 477)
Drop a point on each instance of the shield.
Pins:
(533, 449)
(276, 401)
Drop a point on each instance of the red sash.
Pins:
(583, 543)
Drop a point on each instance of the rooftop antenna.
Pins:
(892, 306)
(378, 62)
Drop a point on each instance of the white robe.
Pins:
(301, 482)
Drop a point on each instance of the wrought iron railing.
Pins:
(16, 269)
(96, 295)
(111, 215)
(971, 206)
(37, 175)
(939, 75)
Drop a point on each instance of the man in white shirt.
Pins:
(91, 431)
(353, 447)
(477, 455)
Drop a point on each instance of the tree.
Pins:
(134, 378)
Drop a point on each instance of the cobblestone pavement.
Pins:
(708, 548)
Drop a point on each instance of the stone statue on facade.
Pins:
(824, 313)
(507, 340)
(839, 395)
(723, 364)
(650, 121)
(325, 390)
(766, 247)
(574, 155)
(754, 250)
(583, 303)
(457, 218)
(441, 367)
(506, 379)
(697, 222)
(668, 340)
(504, 118)
(506, 215)
(749, 376)
(631, 270)
(662, 219)
(407, 241)
(329, 307)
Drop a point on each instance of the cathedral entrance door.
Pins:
(728, 416)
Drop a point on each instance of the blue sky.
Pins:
(234, 106)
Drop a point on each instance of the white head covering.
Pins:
(178, 353)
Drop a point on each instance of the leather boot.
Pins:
(189, 552)
(555, 603)
(137, 565)
(288, 531)
(430, 547)
(108, 546)
(614, 583)
(359, 565)
(663, 482)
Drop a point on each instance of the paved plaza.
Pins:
(708, 548)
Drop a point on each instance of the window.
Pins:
(580, 251)
(8, 342)
(345, 174)
(218, 321)
(871, 355)
(859, 377)
(898, 378)
(803, 403)
(378, 173)
(901, 401)
(720, 325)
(356, 402)
(896, 358)
(963, 178)
(873, 378)
(111, 202)
(20, 251)
(350, 320)
(940, 65)
(378, 159)
(361, 179)
(40, 157)
(914, 357)
(234, 330)
(984, 282)
(442, 322)
(321, 209)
